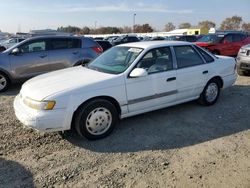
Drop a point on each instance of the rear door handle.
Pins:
(205, 72)
(171, 79)
(75, 52)
(43, 56)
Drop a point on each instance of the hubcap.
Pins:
(211, 92)
(98, 121)
(3, 82)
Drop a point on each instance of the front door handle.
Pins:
(171, 79)
(205, 72)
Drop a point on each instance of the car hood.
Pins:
(55, 82)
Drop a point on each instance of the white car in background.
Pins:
(124, 81)
(11, 42)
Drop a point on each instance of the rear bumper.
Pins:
(45, 121)
(229, 80)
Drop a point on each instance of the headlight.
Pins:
(243, 50)
(39, 105)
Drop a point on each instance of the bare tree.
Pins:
(246, 27)
(85, 30)
(169, 26)
(184, 25)
(233, 23)
(126, 29)
(206, 24)
(145, 28)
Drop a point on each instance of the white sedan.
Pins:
(126, 80)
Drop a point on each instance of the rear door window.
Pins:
(187, 57)
(64, 43)
(238, 37)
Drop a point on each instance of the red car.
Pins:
(225, 43)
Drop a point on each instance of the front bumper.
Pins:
(45, 121)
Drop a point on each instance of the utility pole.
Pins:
(134, 23)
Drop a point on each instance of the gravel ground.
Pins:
(183, 146)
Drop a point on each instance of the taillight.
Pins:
(97, 49)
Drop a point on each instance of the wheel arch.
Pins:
(82, 62)
(6, 74)
(219, 79)
(108, 98)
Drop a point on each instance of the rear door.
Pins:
(64, 52)
(192, 72)
(32, 59)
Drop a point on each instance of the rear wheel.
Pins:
(96, 119)
(4, 82)
(210, 94)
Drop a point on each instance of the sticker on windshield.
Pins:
(135, 50)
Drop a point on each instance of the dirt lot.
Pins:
(183, 146)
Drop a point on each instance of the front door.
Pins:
(158, 87)
(31, 60)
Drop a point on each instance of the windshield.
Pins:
(211, 38)
(116, 60)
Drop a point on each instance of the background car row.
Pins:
(34, 56)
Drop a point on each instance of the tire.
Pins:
(96, 119)
(210, 94)
(4, 82)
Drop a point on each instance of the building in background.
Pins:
(44, 32)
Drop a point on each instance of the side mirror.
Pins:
(15, 51)
(138, 72)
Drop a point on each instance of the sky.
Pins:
(26, 15)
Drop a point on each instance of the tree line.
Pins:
(231, 23)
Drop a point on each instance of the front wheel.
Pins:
(96, 119)
(210, 94)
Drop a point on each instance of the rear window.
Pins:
(205, 55)
(64, 43)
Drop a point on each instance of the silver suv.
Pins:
(243, 60)
(39, 55)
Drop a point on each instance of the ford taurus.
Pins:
(126, 80)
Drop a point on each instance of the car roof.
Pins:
(155, 44)
(55, 36)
